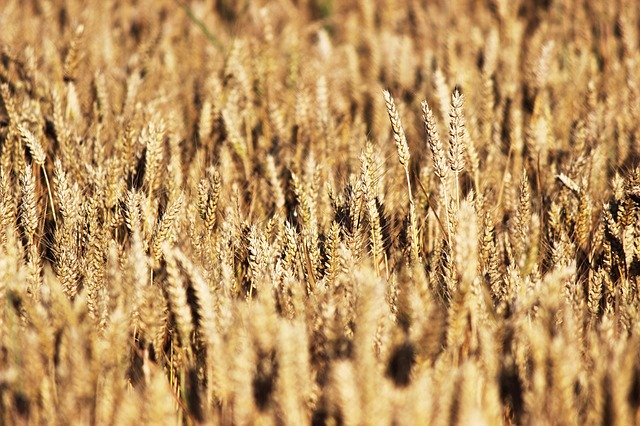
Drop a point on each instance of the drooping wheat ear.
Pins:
(457, 135)
(37, 152)
(39, 157)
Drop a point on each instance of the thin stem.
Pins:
(46, 179)
(412, 215)
(457, 192)
(446, 213)
(201, 25)
(431, 206)
(406, 172)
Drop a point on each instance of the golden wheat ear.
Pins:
(402, 147)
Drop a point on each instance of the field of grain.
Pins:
(327, 212)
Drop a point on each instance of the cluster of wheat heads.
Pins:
(295, 212)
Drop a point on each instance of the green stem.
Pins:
(201, 25)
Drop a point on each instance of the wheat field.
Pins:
(291, 212)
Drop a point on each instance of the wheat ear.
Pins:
(404, 156)
(456, 140)
(39, 157)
